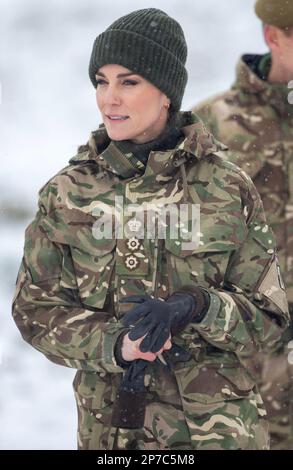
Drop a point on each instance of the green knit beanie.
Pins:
(147, 42)
(278, 13)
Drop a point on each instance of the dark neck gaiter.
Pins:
(166, 141)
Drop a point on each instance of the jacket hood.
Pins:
(248, 81)
(196, 144)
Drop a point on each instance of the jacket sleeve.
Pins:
(51, 317)
(248, 314)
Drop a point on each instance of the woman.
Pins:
(176, 326)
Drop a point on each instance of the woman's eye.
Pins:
(99, 81)
(130, 82)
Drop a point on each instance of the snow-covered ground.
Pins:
(47, 109)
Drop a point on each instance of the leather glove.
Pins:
(176, 354)
(129, 406)
(159, 319)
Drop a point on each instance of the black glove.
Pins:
(159, 319)
(129, 407)
(176, 354)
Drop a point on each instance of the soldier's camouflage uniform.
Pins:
(255, 120)
(69, 285)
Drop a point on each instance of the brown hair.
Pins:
(173, 117)
(288, 31)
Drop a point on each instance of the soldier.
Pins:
(255, 120)
(166, 325)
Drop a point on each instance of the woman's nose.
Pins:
(112, 96)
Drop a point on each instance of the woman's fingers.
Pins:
(167, 345)
(135, 314)
(131, 350)
(151, 357)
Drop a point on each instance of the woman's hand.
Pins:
(155, 320)
(130, 349)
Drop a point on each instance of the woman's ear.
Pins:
(271, 36)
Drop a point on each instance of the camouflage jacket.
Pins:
(255, 120)
(70, 282)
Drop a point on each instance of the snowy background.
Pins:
(47, 108)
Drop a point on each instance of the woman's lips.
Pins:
(116, 118)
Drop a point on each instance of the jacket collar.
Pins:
(196, 144)
(275, 95)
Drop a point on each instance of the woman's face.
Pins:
(140, 109)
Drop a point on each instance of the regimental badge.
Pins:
(131, 262)
(133, 244)
(134, 225)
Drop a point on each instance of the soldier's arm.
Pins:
(250, 312)
(52, 318)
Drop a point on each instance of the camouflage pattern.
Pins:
(255, 120)
(276, 389)
(69, 285)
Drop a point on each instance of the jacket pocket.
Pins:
(209, 383)
(206, 263)
(88, 262)
(93, 273)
